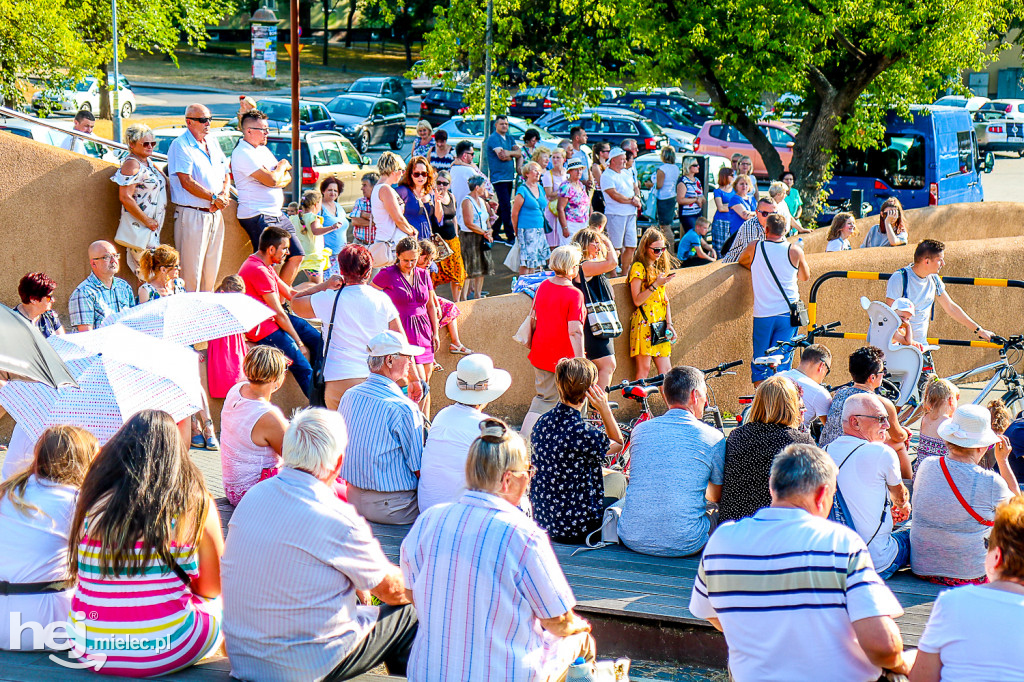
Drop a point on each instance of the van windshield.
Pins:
(899, 162)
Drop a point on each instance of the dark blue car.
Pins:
(312, 115)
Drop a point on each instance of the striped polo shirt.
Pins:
(786, 587)
(482, 575)
(385, 436)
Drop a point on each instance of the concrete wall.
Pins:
(53, 204)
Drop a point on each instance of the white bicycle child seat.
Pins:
(904, 363)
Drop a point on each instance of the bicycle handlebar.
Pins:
(803, 340)
(658, 380)
(719, 369)
(1015, 341)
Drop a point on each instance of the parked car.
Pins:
(471, 128)
(607, 124)
(41, 132)
(972, 104)
(323, 153)
(926, 160)
(73, 97)
(421, 83)
(312, 115)
(996, 133)
(226, 138)
(720, 138)
(366, 120)
(1013, 109)
(438, 105)
(607, 94)
(394, 88)
(696, 113)
(532, 103)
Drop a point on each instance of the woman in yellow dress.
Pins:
(648, 276)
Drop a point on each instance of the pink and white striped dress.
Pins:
(143, 625)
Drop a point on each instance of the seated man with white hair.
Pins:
(382, 463)
(839, 626)
(870, 481)
(299, 567)
(493, 601)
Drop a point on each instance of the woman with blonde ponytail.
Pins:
(36, 507)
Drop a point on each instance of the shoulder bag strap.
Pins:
(767, 262)
(330, 330)
(960, 498)
(884, 506)
(903, 273)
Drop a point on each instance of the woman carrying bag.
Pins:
(602, 325)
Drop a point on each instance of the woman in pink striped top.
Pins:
(145, 544)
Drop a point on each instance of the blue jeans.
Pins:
(300, 367)
(902, 538)
(769, 331)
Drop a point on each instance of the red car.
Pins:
(725, 140)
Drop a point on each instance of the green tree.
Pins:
(852, 61)
(39, 39)
(145, 26)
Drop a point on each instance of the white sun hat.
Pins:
(476, 381)
(969, 427)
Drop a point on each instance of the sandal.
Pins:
(458, 350)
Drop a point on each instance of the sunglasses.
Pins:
(765, 214)
(199, 119)
(419, 174)
(265, 131)
(442, 184)
(658, 250)
(148, 144)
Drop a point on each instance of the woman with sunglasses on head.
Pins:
(451, 270)
(143, 194)
(647, 278)
(158, 270)
(416, 188)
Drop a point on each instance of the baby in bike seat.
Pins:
(904, 335)
(903, 362)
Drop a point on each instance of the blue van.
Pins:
(928, 160)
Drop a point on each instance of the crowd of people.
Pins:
(128, 532)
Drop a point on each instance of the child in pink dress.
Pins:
(225, 355)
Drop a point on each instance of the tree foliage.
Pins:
(39, 39)
(852, 61)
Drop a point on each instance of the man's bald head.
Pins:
(197, 111)
(104, 260)
(101, 248)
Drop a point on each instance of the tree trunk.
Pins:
(744, 123)
(104, 111)
(815, 142)
(327, 31)
(352, 6)
(407, 39)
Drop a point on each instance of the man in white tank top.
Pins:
(772, 299)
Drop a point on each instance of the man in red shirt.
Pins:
(290, 334)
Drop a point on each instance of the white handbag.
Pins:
(512, 259)
(382, 253)
(132, 234)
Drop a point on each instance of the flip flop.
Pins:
(458, 350)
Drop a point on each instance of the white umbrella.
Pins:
(119, 372)
(193, 317)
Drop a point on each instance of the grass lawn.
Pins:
(233, 71)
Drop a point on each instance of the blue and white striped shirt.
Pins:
(385, 436)
(786, 587)
(483, 575)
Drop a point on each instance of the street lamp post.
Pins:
(116, 113)
(293, 26)
(484, 166)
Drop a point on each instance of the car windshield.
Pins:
(276, 111)
(655, 128)
(349, 107)
(533, 93)
(365, 86)
(452, 96)
(899, 161)
(951, 102)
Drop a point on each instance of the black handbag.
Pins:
(659, 330)
(318, 386)
(798, 316)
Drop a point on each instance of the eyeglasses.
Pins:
(881, 419)
(151, 143)
(110, 257)
(531, 472)
(765, 214)
(419, 174)
(265, 131)
(828, 367)
(199, 119)
(658, 250)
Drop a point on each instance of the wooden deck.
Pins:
(614, 581)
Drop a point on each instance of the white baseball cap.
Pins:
(392, 343)
(903, 305)
(617, 152)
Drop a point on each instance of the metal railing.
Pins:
(812, 302)
(7, 112)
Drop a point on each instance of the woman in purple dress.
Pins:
(417, 191)
(409, 289)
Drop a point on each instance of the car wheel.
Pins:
(1021, 153)
(363, 143)
(86, 106)
(399, 140)
(126, 110)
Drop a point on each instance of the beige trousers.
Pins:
(395, 509)
(199, 238)
(333, 390)
(545, 399)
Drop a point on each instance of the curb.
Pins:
(185, 88)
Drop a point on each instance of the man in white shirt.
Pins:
(869, 480)
(815, 364)
(920, 282)
(84, 123)
(259, 179)
(796, 595)
(621, 202)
